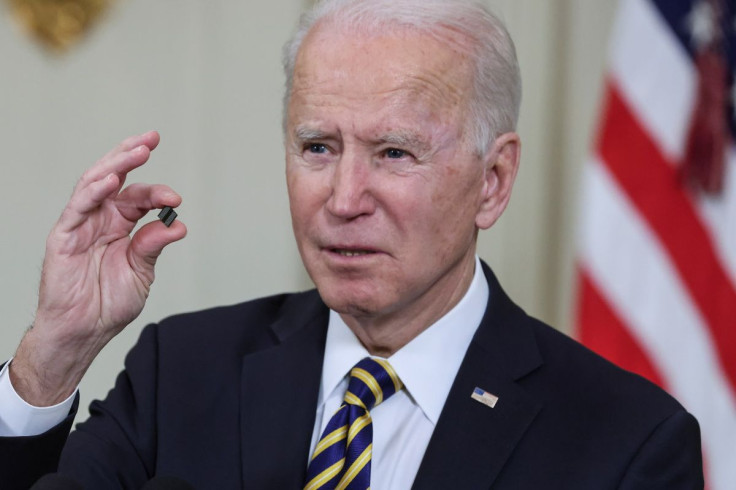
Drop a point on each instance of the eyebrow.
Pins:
(400, 138)
(304, 133)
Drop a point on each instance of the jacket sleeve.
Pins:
(114, 449)
(670, 458)
(116, 446)
(23, 460)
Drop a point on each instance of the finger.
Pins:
(138, 199)
(116, 162)
(148, 242)
(86, 200)
(149, 139)
(96, 186)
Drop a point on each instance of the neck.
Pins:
(383, 335)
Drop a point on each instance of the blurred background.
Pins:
(207, 75)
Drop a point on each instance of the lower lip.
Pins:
(350, 258)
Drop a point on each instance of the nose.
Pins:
(351, 194)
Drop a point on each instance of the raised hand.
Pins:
(95, 277)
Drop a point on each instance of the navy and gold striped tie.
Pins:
(342, 458)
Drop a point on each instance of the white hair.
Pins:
(494, 107)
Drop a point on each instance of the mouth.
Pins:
(344, 252)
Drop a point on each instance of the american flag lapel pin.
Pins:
(484, 397)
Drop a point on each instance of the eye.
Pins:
(316, 148)
(395, 153)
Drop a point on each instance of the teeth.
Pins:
(352, 253)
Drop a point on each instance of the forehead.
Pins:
(379, 72)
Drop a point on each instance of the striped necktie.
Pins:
(342, 458)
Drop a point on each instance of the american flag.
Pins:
(657, 260)
(484, 397)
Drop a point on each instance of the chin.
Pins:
(347, 302)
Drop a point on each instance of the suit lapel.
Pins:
(279, 393)
(472, 441)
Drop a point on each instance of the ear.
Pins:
(500, 165)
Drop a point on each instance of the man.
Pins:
(400, 147)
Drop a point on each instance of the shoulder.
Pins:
(240, 327)
(594, 404)
(639, 423)
(622, 425)
(265, 308)
(598, 386)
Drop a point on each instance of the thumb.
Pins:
(148, 242)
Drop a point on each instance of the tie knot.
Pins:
(371, 382)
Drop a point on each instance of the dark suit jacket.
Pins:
(226, 398)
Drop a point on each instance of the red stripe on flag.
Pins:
(652, 184)
(601, 330)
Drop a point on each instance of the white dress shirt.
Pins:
(402, 425)
(18, 418)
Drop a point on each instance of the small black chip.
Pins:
(167, 215)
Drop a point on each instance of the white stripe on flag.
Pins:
(654, 74)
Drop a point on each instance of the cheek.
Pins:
(308, 192)
(299, 199)
(455, 203)
(302, 184)
(456, 193)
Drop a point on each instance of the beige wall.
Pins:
(562, 46)
(207, 76)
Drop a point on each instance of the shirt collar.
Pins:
(428, 364)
